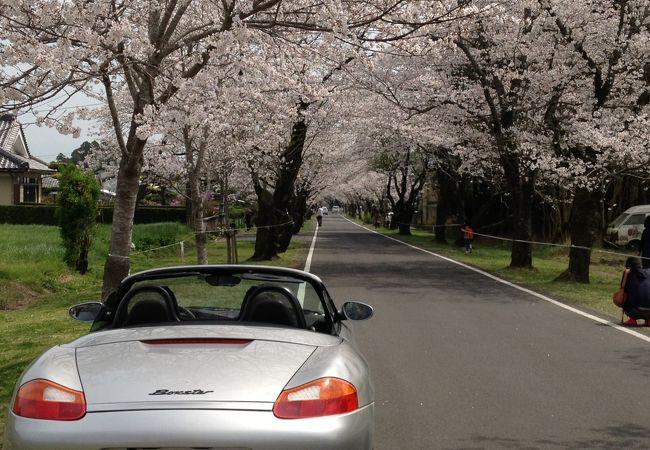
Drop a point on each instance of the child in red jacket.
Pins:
(468, 234)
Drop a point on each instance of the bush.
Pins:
(154, 235)
(77, 208)
(236, 212)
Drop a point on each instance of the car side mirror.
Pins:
(86, 312)
(356, 311)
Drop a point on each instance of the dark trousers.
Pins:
(637, 312)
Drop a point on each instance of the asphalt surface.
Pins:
(461, 361)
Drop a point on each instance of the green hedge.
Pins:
(28, 214)
(148, 214)
(44, 215)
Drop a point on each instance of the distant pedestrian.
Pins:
(388, 221)
(376, 217)
(645, 244)
(248, 219)
(319, 217)
(468, 236)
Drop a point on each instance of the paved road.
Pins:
(461, 361)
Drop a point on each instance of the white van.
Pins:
(626, 230)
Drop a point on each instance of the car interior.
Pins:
(266, 303)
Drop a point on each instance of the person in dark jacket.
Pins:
(645, 244)
(637, 290)
(248, 218)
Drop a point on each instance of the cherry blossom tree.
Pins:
(508, 78)
(603, 124)
(238, 114)
(150, 51)
(536, 96)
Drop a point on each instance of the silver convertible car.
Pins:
(202, 357)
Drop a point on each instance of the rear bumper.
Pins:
(207, 429)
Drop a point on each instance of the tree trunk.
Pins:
(231, 232)
(283, 196)
(200, 235)
(274, 208)
(449, 204)
(522, 248)
(286, 232)
(402, 215)
(299, 211)
(117, 264)
(412, 173)
(523, 190)
(265, 239)
(194, 160)
(404, 229)
(583, 226)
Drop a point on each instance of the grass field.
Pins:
(37, 289)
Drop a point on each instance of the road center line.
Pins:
(618, 327)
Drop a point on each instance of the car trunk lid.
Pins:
(166, 371)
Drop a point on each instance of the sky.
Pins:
(46, 143)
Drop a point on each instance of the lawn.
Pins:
(37, 289)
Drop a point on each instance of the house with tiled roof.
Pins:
(21, 174)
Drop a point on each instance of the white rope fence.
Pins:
(183, 244)
(548, 244)
(227, 230)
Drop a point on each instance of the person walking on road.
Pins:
(319, 217)
(645, 244)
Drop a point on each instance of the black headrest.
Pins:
(272, 304)
(146, 304)
(148, 311)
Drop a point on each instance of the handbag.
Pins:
(619, 296)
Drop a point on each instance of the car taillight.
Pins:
(322, 397)
(43, 399)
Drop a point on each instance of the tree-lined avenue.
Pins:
(460, 360)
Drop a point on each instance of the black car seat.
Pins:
(148, 310)
(149, 304)
(272, 304)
